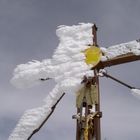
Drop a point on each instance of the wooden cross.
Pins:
(88, 125)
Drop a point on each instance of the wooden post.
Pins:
(97, 106)
(94, 133)
(94, 32)
(97, 109)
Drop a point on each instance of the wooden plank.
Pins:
(118, 60)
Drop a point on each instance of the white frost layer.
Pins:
(121, 49)
(29, 122)
(67, 59)
(33, 118)
(136, 92)
(67, 67)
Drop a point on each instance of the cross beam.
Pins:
(130, 57)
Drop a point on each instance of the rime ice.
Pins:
(121, 49)
(67, 67)
(136, 93)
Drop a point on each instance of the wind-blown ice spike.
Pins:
(136, 92)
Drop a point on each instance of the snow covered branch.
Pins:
(45, 120)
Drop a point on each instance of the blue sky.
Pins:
(27, 32)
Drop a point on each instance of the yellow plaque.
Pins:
(93, 55)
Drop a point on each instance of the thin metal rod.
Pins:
(122, 83)
(45, 79)
(53, 108)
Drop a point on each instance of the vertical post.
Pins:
(78, 127)
(97, 106)
(94, 132)
(94, 32)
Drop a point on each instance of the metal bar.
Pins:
(45, 79)
(122, 83)
(53, 108)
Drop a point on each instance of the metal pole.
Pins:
(122, 83)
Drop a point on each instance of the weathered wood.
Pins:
(96, 132)
(97, 129)
(130, 57)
